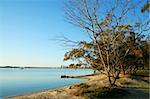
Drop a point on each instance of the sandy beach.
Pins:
(92, 89)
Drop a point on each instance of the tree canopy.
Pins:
(117, 43)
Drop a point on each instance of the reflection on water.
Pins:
(15, 81)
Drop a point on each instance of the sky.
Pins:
(27, 30)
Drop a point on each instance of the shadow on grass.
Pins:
(114, 93)
(109, 93)
(140, 78)
(141, 75)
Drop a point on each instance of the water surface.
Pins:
(16, 81)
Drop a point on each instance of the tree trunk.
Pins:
(115, 78)
(109, 79)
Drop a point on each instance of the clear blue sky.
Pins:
(25, 29)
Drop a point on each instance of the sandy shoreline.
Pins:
(85, 89)
(54, 91)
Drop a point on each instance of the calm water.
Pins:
(15, 81)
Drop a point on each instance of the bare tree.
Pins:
(112, 34)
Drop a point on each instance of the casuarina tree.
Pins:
(115, 35)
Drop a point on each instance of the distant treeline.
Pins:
(26, 67)
(9, 67)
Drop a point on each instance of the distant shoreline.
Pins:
(40, 67)
(25, 67)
